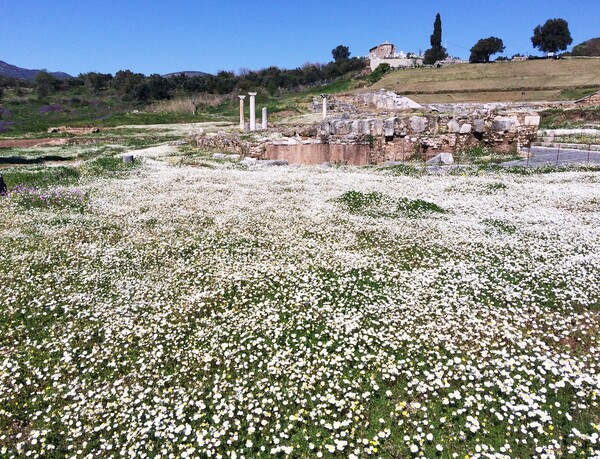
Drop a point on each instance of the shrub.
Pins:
(49, 109)
(378, 73)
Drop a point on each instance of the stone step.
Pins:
(572, 146)
(566, 140)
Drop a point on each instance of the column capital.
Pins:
(252, 93)
(242, 97)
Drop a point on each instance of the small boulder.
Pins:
(453, 126)
(441, 159)
(418, 123)
(465, 128)
(479, 126)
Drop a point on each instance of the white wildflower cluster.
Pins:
(229, 313)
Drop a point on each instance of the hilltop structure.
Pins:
(386, 53)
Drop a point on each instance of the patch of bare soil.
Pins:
(28, 143)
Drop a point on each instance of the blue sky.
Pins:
(78, 36)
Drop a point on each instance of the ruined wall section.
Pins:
(400, 138)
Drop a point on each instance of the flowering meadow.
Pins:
(302, 312)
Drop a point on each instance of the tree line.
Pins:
(551, 37)
(136, 87)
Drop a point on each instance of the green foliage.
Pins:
(379, 72)
(589, 47)
(107, 165)
(404, 169)
(45, 84)
(96, 81)
(484, 48)
(340, 53)
(40, 177)
(552, 37)
(500, 226)
(573, 118)
(436, 37)
(378, 205)
(437, 52)
(56, 198)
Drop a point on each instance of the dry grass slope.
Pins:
(506, 81)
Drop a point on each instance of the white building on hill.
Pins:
(385, 53)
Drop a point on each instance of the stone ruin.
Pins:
(399, 138)
(384, 127)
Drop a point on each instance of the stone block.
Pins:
(378, 127)
(389, 127)
(479, 126)
(442, 158)
(502, 124)
(453, 126)
(465, 128)
(532, 120)
(418, 124)
(365, 127)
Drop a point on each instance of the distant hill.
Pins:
(187, 73)
(587, 48)
(12, 71)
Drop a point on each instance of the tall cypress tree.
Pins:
(437, 52)
(436, 36)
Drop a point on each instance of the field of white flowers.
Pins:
(183, 311)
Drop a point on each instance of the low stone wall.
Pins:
(380, 100)
(227, 142)
(318, 153)
(589, 101)
(430, 134)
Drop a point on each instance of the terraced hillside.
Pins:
(535, 80)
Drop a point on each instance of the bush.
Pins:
(378, 73)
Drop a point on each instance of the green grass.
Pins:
(508, 81)
(107, 166)
(404, 169)
(378, 205)
(571, 118)
(40, 176)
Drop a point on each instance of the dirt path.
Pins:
(28, 143)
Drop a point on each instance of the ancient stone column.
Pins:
(324, 96)
(252, 110)
(265, 122)
(242, 112)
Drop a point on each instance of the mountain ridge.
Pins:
(12, 71)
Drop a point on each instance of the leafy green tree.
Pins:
(552, 37)
(96, 81)
(437, 52)
(125, 81)
(45, 84)
(340, 53)
(484, 48)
